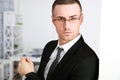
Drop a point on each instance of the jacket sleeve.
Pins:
(46, 52)
(88, 69)
(32, 76)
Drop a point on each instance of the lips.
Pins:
(67, 33)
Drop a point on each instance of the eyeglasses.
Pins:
(62, 20)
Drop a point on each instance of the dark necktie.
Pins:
(55, 62)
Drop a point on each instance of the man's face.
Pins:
(67, 20)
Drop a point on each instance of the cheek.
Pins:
(76, 27)
(58, 29)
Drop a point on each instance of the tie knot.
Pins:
(60, 50)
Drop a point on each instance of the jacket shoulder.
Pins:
(51, 44)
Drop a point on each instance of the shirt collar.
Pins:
(68, 45)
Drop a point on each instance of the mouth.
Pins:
(67, 33)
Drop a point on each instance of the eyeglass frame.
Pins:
(63, 19)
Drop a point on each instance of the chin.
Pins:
(68, 39)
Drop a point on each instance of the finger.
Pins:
(28, 59)
(23, 58)
(23, 61)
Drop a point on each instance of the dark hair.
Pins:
(61, 2)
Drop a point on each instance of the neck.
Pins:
(62, 42)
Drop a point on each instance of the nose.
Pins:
(67, 24)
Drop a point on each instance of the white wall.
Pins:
(110, 40)
(38, 28)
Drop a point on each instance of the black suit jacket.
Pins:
(79, 63)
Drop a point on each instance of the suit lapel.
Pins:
(49, 48)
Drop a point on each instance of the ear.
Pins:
(52, 19)
(81, 18)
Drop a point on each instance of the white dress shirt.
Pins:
(65, 47)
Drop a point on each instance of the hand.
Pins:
(25, 66)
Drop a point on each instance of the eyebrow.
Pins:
(69, 16)
(73, 16)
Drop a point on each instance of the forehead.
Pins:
(66, 10)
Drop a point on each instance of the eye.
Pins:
(74, 18)
(58, 19)
(61, 18)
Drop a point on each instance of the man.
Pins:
(77, 61)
